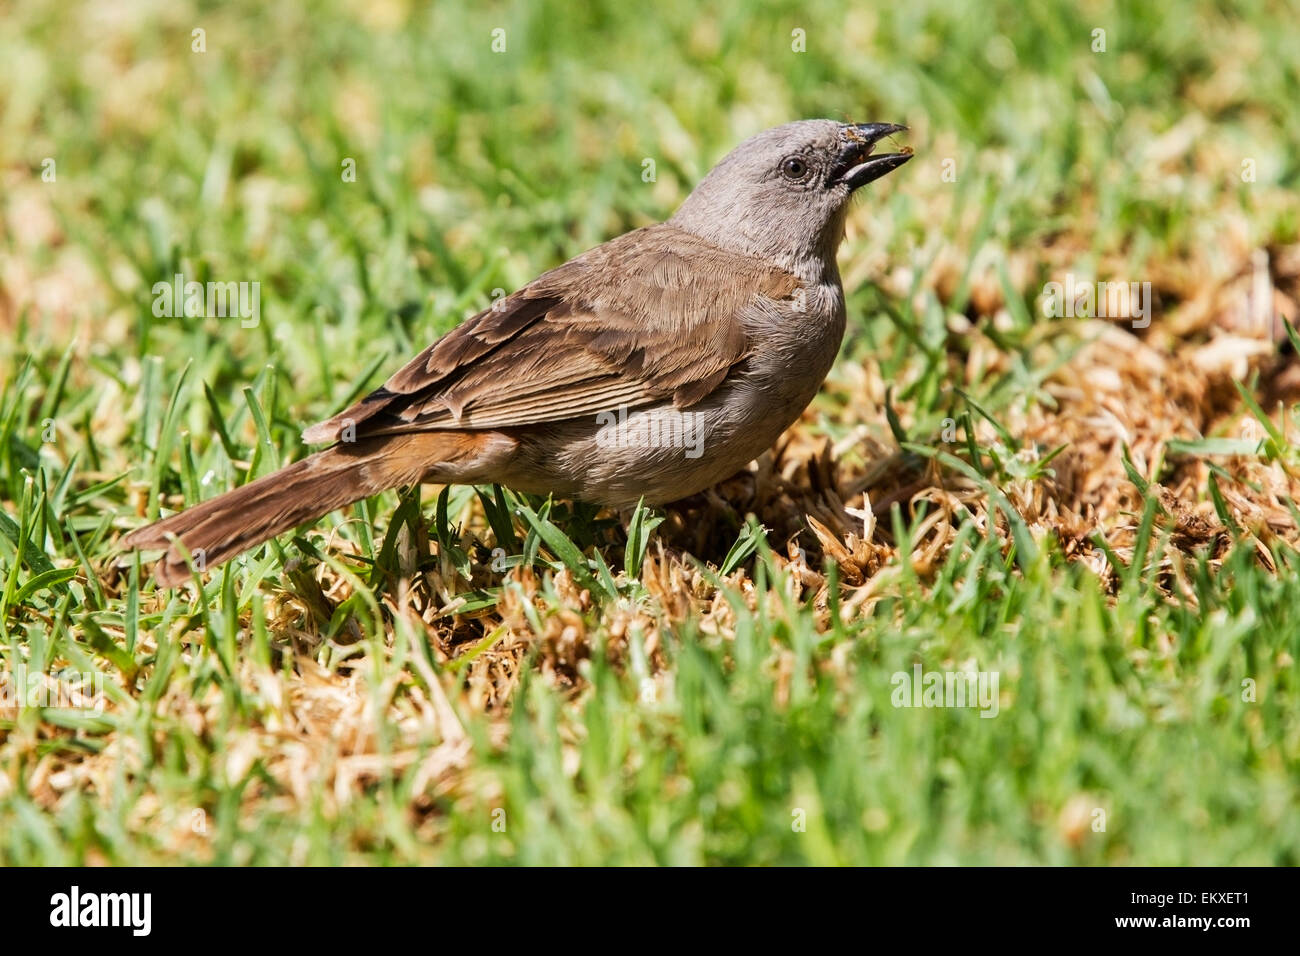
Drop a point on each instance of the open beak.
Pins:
(856, 165)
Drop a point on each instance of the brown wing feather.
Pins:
(574, 343)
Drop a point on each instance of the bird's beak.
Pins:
(856, 166)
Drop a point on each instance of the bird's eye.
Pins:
(794, 168)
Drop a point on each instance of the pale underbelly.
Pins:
(660, 453)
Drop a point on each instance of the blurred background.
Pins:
(210, 140)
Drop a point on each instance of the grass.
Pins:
(1100, 515)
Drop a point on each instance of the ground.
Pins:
(1091, 510)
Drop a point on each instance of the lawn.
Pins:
(1092, 514)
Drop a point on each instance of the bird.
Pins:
(648, 368)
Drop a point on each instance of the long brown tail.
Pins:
(229, 524)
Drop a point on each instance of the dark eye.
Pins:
(794, 168)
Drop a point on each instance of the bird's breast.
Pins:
(795, 344)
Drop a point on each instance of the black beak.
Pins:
(856, 166)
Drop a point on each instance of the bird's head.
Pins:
(782, 195)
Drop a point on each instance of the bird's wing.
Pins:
(652, 315)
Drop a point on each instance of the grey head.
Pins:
(783, 195)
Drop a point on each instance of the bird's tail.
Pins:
(224, 526)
